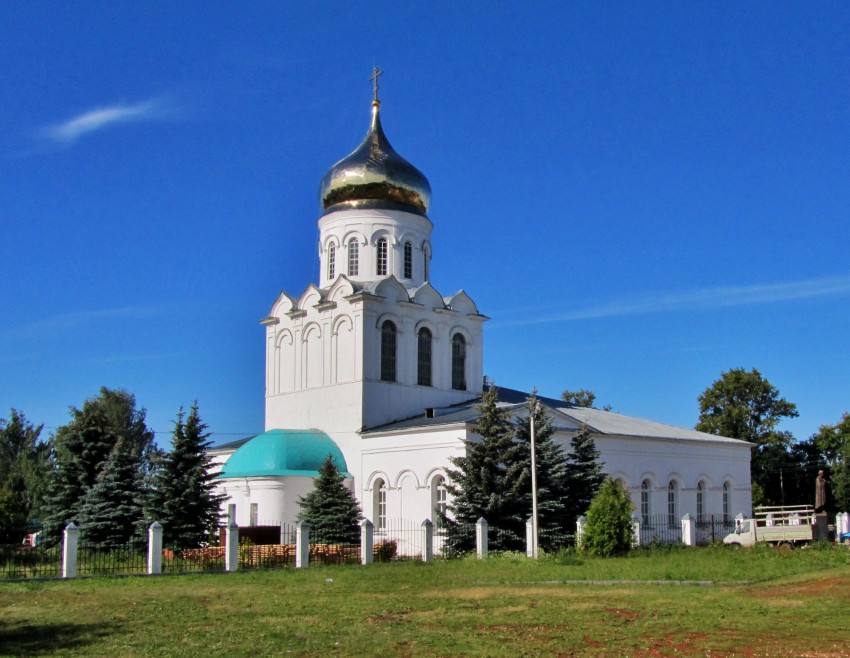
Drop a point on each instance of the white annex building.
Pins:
(377, 368)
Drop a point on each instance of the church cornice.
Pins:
(325, 306)
(363, 296)
(270, 321)
(297, 313)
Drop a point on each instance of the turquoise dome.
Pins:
(284, 452)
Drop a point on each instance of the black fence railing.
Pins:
(208, 558)
(20, 562)
(660, 529)
(127, 559)
(712, 529)
(267, 546)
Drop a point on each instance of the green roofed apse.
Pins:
(284, 452)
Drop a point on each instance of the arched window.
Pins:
(423, 359)
(353, 257)
(439, 498)
(379, 504)
(645, 509)
(408, 260)
(388, 351)
(672, 491)
(331, 261)
(458, 363)
(382, 257)
(727, 503)
(700, 501)
(426, 258)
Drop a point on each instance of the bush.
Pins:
(609, 522)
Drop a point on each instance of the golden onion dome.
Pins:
(375, 176)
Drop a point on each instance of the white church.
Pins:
(376, 367)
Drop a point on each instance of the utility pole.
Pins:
(533, 484)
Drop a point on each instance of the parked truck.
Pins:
(785, 526)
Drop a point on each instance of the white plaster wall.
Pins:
(408, 464)
(632, 459)
(367, 226)
(276, 498)
(303, 365)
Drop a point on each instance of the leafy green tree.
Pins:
(579, 398)
(331, 508)
(609, 522)
(583, 477)
(23, 469)
(82, 447)
(477, 482)
(744, 405)
(582, 398)
(551, 463)
(834, 442)
(183, 499)
(112, 513)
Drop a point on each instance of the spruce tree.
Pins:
(80, 450)
(331, 508)
(583, 477)
(609, 521)
(552, 530)
(112, 513)
(23, 472)
(183, 499)
(477, 483)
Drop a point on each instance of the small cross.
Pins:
(375, 73)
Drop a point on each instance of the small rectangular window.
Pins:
(382, 257)
(408, 260)
(353, 258)
(254, 514)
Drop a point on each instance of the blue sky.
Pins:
(640, 195)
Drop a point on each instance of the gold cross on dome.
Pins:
(375, 73)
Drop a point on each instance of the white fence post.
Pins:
(529, 537)
(842, 524)
(427, 541)
(69, 551)
(302, 545)
(231, 539)
(580, 523)
(481, 542)
(636, 529)
(155, 548)
(689, 535)
(367, 541)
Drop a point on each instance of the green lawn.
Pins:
(662, 602)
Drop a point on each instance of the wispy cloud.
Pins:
(700, 299)
(102, 118)
(65, 321)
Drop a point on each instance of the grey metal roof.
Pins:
(565, 417)
(231, 445)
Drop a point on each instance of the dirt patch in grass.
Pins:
(628, 615)
(791, 595)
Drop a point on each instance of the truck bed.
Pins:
(779, 533)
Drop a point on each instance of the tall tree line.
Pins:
(492, 480)
(104, 472)
(743, 404)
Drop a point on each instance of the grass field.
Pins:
(706, 602)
